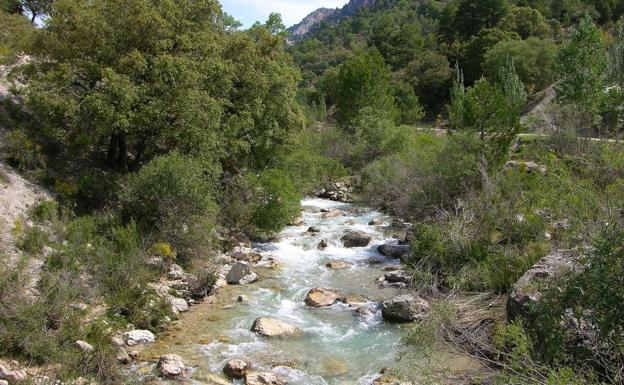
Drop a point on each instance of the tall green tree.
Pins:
(364, 81)
(474, 15)
(581, 65)
(142, 78)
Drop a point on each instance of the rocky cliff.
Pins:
(312, 21)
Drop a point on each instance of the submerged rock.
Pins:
(405, 308)
(236, 368)
(376, 222)
(274, 327)
(321, 297)
(387, 379)
(528, 289)
(338, 265)
(172, 366)
(264, 378)
(395, 251)
(356, 239)
(314, 230)
(136, 337)
(322, 245)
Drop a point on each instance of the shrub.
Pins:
(276, 201)
(46, 210)
(171, 198)
(32, 240)
(22, 153)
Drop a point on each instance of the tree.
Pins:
(491, 110)
(525, 22)
(364, 81)
(430, 75)
(533, 60)
(142, 78)
(581, 65)
(474, 15)
(274, 24)
(478, 46)
(407, 103)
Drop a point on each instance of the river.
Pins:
(339, 346)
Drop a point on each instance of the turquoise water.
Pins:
(338, 346)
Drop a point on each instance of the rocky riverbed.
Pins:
(312, 315)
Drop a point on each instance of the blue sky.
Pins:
(250, 11)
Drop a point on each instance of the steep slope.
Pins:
(310, 22)
(314, 19)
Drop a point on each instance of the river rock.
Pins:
(321, 297)
(136, 337)
(178, 305)
(240, 274)
(172, 366)
(274, 327)
(84, 346)
(297, 222)
(395, 251)
(528, 289)
(122, 356)
(405, 308)
(264, 378)
(331, 213)
(355, 239)
(398, 276)
(175, 272)
(322, 245)
(376, 222)
(314, 230)
(353, 300)
(12, 375)
(236, 368)
(245, 254)
(338, 265)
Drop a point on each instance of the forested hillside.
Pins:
(421, 41)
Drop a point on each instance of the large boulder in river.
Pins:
(172, 366)
(274, 327)
(529, 288)
(264, 378)
(331, 213)
(395, 251)
(405, 308)
(236, 368)
(240, 274)
(321, 297)
(355, 239)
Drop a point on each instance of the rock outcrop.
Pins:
(337, 191)
(529, 288)
(274, 327)
(356, 239)
(321, 297)
(405, 308)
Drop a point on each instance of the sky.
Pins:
(292, 11)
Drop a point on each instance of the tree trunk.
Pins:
(117, 151)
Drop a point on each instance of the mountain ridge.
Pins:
(333, 15)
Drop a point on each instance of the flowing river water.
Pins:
(339, 346)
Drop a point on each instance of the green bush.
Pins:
(276, 202)
(171, 198)
(22, 152)
(33, 240)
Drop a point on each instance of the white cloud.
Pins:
(292, 11)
